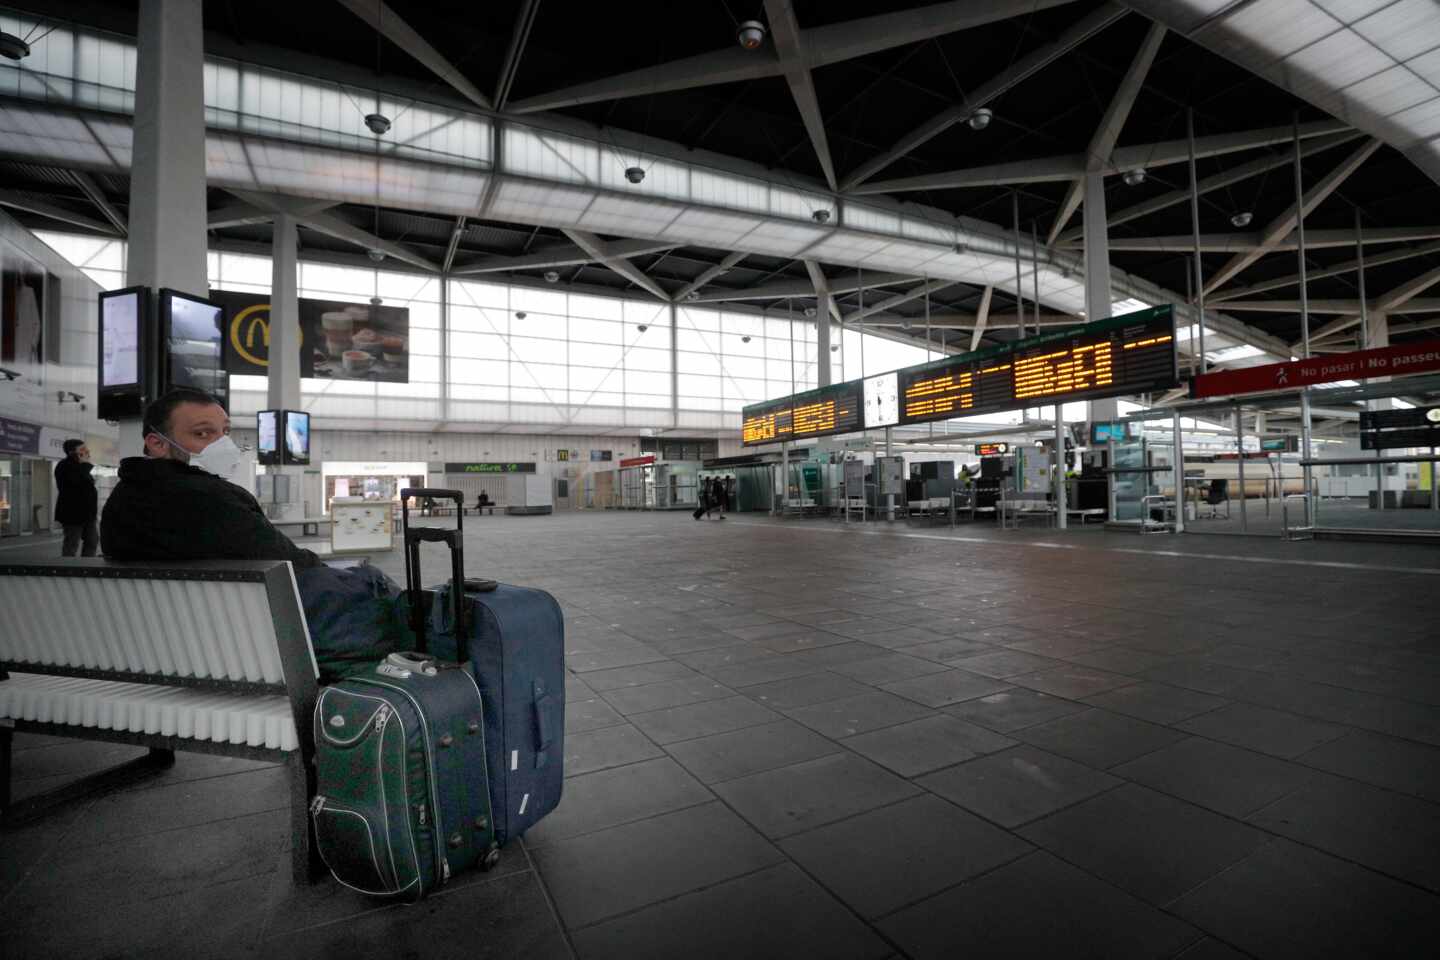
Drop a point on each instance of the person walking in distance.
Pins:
(77, 503)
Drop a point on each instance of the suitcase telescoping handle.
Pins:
(454, 540)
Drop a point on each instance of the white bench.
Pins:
(208, 658)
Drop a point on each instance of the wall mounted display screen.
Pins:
(816, 413)
(193, 334)
(297, 438)
(882, 400)
(126, 365)
(1134, 353)
(267, 430)
(1101, 433)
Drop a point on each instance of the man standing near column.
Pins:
(76, 502)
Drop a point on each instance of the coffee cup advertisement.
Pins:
(338, 340)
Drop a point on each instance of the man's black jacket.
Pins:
(168, 510)
(75, 488)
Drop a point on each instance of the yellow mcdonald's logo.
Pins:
(258, 329)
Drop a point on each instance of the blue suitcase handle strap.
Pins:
(543, 705)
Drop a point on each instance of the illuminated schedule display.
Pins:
(1134, 353)
(816, 413)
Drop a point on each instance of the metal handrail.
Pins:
(1419, 458)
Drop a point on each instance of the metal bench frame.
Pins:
(300, 686)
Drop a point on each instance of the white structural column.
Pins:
(167, 185)
(283, 373)
(1097, 271)
(167, 174)
(822, 323)
(283, 379)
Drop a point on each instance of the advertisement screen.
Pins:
(267, 448)
(297, 437)
(120, 339)
(338, 341)
(194, 332)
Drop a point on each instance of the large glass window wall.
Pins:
(547, 357)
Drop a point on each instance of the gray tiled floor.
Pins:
(806, 739)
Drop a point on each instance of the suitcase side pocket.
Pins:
(346, 842)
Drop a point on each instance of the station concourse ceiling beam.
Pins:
(982, 317)
(787, 289)
(1349, 266)
(310, 213)
(1406, 292)
(1017, 72)
(1218, 181)
(1293, 306)
(905, 296)
(832, 43)
(710, 273)
(562, 255)
(1281, 227)
(19, 201)
(92, 191)
(453, 245)
(790, 48)
(604, 253)
(1102, 142)
(518, 38)
(1068, 166)
(237, 215)
(1233, 242)
(388, 24)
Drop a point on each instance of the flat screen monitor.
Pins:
(123, 386)
(1101, 433)
(267, 430)
(297, 438)
(192, 331)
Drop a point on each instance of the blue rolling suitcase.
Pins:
(513, 640)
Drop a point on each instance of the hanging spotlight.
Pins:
(375, 254)
(12, 47)
(809, 311)
(520, 314)
(641, 327)
(692, 296)
(820, 216)
(552, 276)
(1133, 178)
(634, 174)
(835, 348)
(745, 339)
(378, 123)
(750, 34)
(376, 301)
(1242, 219)
(981, 118)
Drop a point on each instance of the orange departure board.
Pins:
(1133, 353)
(817, 413)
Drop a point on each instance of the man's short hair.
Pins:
(71, 445)
(157, 415)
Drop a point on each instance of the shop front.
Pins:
(369, 481)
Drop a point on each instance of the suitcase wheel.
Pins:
(491, 858)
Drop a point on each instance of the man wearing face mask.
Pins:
(178, 502)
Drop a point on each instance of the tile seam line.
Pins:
(1332, 564)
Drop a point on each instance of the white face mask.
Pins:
(222, 458)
